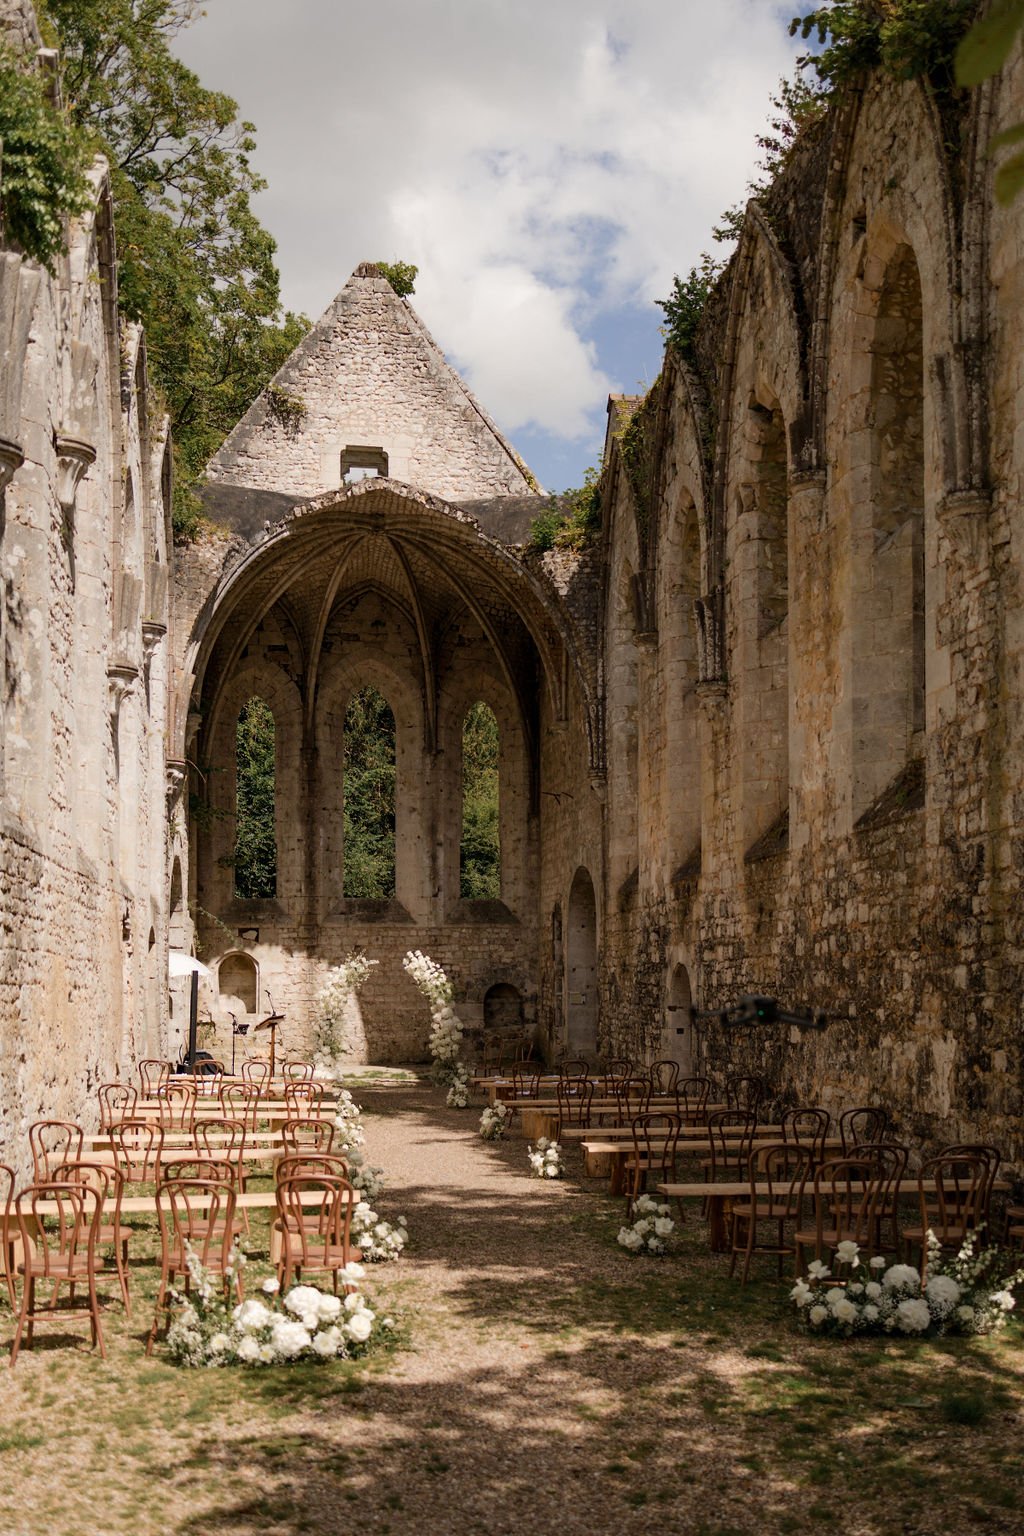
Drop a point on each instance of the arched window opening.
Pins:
(889, 702)
(255, 839)
(237, 977)
(766, 701)
(369, 790)
(480, 850)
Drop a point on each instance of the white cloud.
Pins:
(540, 163)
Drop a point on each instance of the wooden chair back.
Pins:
(178, 1104)
(309, 1134)
(619, 1067)
(240, 1101)
(206, 1078)
(956, 1207)
(223, 1139)
(785, 1167)
(303, 1098)
(744, 1092)
(993, 1158)
(138, 1145)
(807, 1125)
(296, 1072)
(730, 1133)
(197, 1216)
(692, 1095)
(117, 1102)
(313, 1163)
(153, 1075)
(52, 1142)
(632, 1097)
(664, 1076)
(525, 1082)
(194, 1167)
(258, 1073)
(868, 1122)
(575, 1096)
(848, 1195)
(656, 1139)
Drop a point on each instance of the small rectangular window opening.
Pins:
(361, 463)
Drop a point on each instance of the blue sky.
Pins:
(548, 166)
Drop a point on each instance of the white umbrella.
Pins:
(180, 964)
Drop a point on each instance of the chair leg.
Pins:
(27, 1301)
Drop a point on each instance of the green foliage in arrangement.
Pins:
(401, 275)
(195, 265)
(369, 820)
(255, 843)
(573, 521)
(43, 181)
(480, 856)
(905, 38)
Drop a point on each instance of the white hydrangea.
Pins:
(913, 1316)
(901, 1277)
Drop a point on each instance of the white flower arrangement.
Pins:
(348, 1120)
(304, 1323)
(494, 1122)
(458, 1088)
(366, 1177)
(545, 1159)
(652, 1226)
(445, 1028)
(342, 983)
(377, 1240)
(957, 1297)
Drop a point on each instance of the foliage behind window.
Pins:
(369, 822)
(480, 854)
(255, 842)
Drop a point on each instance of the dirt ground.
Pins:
(541, 1380)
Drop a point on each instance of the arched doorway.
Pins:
(503, 1008)
(581, 967)
(677, 1029)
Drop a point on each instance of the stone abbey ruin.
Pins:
(765, 733)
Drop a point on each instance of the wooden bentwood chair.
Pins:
(314, 1236)
(196, 1215)
(60, 1250)
(784, 1167)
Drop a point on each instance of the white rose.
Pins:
(359, 1326)
(328, 1308)
(817, 1270)
(324, 1344)
(289, 1339)
(871, 1313)
(817, 1314)
(663, 1226)
(845, 1311)
(249, 1350)
(847, 1252)
(877, 1262)
(219, 1343)
(271, 1286)
(302, 1299)
(873, 1289)
(252, 1314)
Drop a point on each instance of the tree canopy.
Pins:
(369, 820)
(480, 856)
(195, 265)
(255, 841)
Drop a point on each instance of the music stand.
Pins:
(236, 1029)
(271, 1022)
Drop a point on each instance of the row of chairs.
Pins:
(196, 1197)
(179, 1098)
(154, 1074)
(857, 1198)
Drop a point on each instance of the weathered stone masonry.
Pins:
(766, 733)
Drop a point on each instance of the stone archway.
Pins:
(677, 1026)
(581, 1011)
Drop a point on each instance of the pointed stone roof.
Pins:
(370, 383)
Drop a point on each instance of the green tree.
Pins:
(42, 182)
(401, 275)
(480, 855)
(195, 266)
(369, 820)
(982, 53)
(255, 842)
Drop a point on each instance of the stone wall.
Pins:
(84, 550)
(843, 700)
